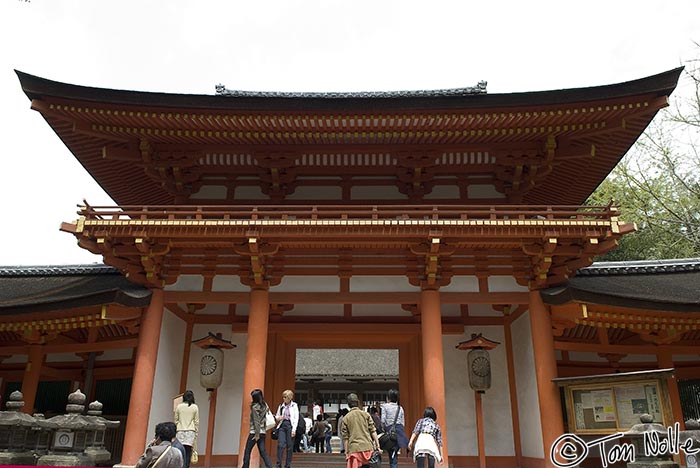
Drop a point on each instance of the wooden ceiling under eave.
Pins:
(551, 147)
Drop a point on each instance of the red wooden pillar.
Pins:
(551, 418)
(255, 356)
(433, 361)
(136, 433)
(30, 380)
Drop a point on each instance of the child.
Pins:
(426, 440)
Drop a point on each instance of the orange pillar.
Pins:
(665, 361)
(255, 356)
(30, 381)
(136, 433)
(433, 362)
(551, 417)
(480, 430)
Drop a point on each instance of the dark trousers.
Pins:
(285, 443)
(420, 461)
(188, 455)
(250, 443)
(320, 445)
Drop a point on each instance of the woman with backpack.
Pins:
(258, 410)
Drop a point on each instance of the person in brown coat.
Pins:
(358, 433)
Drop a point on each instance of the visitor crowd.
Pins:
(364, 435)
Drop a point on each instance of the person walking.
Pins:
(160, 450)
(426, 440)
(258, 410)
(358, 433)
(318, 434)
(328, 434)
(187, 422)
(287, 417)
(393, 418)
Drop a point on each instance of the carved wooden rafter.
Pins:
(433, 254)
(178, 172)
(519, 170)
(277, 173)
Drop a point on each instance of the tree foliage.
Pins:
(657, 184)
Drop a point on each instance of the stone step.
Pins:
(333, 460)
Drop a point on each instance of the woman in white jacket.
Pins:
(287, 418)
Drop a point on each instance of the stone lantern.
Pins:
(72, 434)
(15, 427)
(636, 436)
(39, 439)
(96, 447)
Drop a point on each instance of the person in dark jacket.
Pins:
(161, 451)
(258, 410)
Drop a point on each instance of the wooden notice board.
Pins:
(606, 404)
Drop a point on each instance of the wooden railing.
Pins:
(335, 212)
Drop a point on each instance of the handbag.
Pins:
(375, 461)
(195, 457)
(388, 440)
(270, 422)
(274, 435)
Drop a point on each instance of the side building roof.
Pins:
(27, 289)
(672, 285)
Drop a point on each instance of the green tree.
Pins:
(657, 184)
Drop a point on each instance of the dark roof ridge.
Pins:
(660, 84)
(674, 265)
(58, 270)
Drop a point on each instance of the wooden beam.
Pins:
(76, 347)
(347, 298)
(624, 349)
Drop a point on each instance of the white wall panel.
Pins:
(526, 381)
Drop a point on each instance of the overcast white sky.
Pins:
(354, 45)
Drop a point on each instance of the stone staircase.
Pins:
(337, 460)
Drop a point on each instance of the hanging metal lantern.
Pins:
(478, 361)
(211, 365)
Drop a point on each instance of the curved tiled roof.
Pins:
(672, 285)
(27, 289)
(661, 84)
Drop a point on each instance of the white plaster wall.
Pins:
(585, 357)
(316, 193)
(63, 357)
(116, 354)
(381, 284)
(526, 382)
(483, 310)
(391, 310)
(686, 357)
(376, 192)
(167, 374)
(16, 359)
(316, 309)
(210, 192)
(443, 191)
(308, 283)
(483, 191)
(462, 284)
(229, 395)
(639, 358)
(461, 418)
(505, 284)
(187, 283)
(229, 283)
